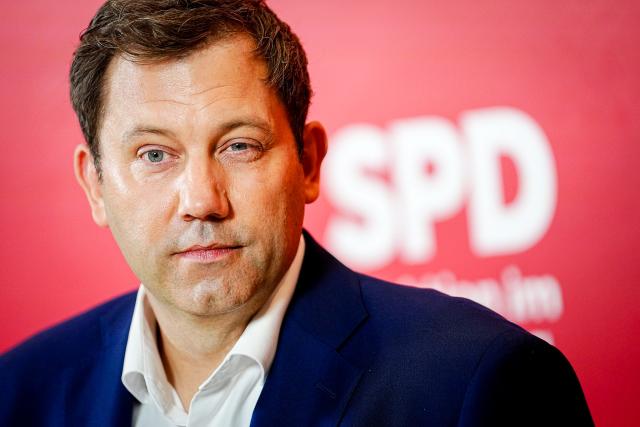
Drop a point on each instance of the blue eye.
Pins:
(238, 146)
(154, 156)
(241, 150)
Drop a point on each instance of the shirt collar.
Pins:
(143, 373)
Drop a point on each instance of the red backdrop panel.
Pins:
(491, 148)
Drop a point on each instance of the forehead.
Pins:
(225, 77)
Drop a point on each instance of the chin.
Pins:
(212, 297)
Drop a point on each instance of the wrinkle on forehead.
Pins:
(213, 101)
(202, 92)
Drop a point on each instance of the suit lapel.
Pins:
(310, 382)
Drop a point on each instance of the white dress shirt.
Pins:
(229, 395)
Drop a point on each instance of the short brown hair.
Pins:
(156, 30)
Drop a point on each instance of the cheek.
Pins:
(141, 239)
(137, 215)
(129, 227)
(270, 196)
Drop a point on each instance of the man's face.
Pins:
(202, 186)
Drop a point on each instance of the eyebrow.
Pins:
(247, 122)
(144, 130)
(223, 128)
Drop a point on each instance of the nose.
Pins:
(202, 194)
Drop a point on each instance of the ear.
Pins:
(314, 150)
(87, 177)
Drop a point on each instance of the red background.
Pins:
(573, 66)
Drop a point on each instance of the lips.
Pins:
(207, 253)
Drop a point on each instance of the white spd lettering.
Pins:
(391, 187)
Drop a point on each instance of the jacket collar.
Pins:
(310, 382)
(328, 301)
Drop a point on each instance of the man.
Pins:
(200, 162)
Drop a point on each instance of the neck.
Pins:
(192, 347)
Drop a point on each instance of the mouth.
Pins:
(209, 253)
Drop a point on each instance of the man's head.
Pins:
(203, 177)
(157, 30)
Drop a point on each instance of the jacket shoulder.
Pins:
(70, 341)
(430, 357)
(70, 374)
(431, 312)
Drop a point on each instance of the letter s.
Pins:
(364, 236)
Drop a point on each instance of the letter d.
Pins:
(496, 228)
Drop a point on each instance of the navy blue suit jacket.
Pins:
(353, 351)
